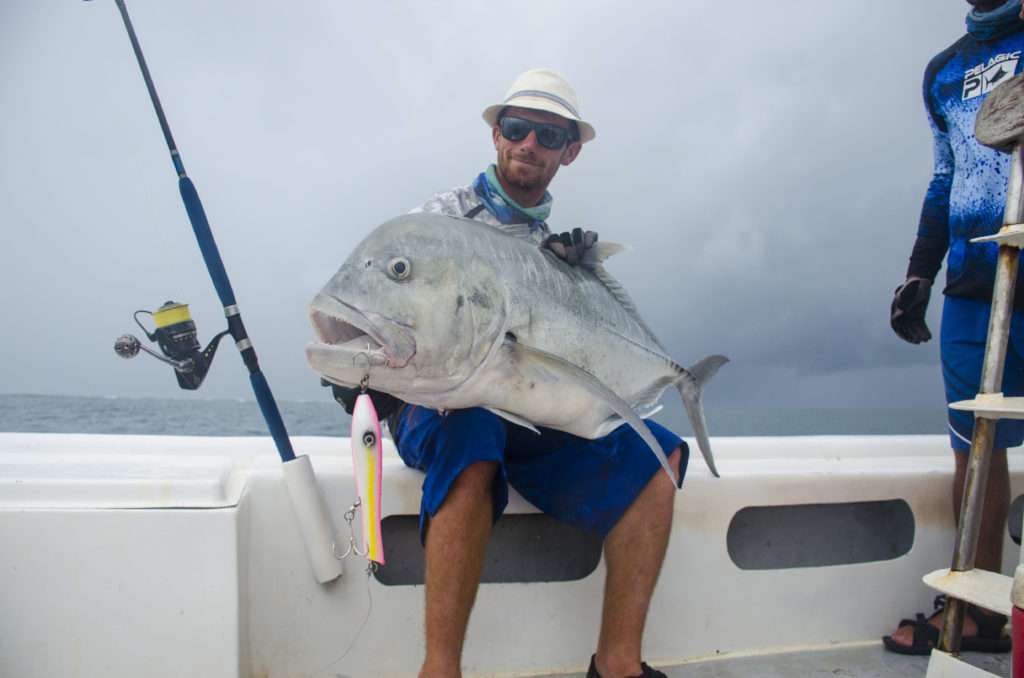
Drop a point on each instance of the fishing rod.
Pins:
(176, 335)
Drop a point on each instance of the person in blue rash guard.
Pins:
(612, 486)
(965, 200)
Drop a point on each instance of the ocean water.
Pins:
(204, 417)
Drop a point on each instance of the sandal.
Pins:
(990, 637)
(648, 672)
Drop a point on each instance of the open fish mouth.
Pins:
(341, 333)
(363, 339)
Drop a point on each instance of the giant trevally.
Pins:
(452, 313)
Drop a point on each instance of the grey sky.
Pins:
(765, 161)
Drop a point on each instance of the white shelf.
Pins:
(1012, 236)
(985, 589)
(992, 406)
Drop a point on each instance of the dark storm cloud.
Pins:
(765, 162)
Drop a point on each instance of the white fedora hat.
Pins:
(542, 89)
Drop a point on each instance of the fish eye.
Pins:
(399, 268)
(369, 439)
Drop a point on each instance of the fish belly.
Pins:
(546, 399)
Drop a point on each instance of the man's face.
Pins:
(526, 164)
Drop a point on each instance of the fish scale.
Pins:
(533, 339)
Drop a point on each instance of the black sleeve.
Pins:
(384, 403)
(926, 257)
(933, 226)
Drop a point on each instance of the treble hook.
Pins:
(350, 515)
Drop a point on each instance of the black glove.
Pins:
(571, 245)
(908, 307)
(382, 402)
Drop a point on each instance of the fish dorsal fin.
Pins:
(619, 292)
(593, 259)
(601, 251)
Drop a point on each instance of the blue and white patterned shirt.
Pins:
(967, 192)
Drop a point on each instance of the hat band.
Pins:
(543, 95)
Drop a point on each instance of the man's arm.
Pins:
(454, 203)
(910, 302)
(933, 227)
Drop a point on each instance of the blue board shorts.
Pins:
(587, 483)
(964, 328)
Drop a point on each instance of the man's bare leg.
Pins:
(634, 551)
(990, 536)
(455, 548)
(993, 514)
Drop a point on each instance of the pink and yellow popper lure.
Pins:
(367, 450)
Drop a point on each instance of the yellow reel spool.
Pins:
(171, 314)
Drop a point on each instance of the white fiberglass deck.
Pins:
(168, 556)
(854, 661)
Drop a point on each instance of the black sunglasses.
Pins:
(548, 135)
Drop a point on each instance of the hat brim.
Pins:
(490, 114)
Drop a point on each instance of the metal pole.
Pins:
(1014, 211)
(979, 461)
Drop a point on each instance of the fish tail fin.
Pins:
(690, 384)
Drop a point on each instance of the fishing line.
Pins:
(314, 520)
(370, 569)
(214, 263)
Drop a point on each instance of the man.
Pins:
(965, 200)
(611, 485)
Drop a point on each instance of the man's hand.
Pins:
(908, 307)
(571, 245)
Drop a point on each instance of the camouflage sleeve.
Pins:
(453, 203)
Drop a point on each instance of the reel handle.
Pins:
(128, 346)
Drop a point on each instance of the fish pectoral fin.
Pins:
(530, 357)
(514, 418)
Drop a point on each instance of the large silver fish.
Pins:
(452, 313)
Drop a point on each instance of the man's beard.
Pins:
(523, 181)
(524, 184)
